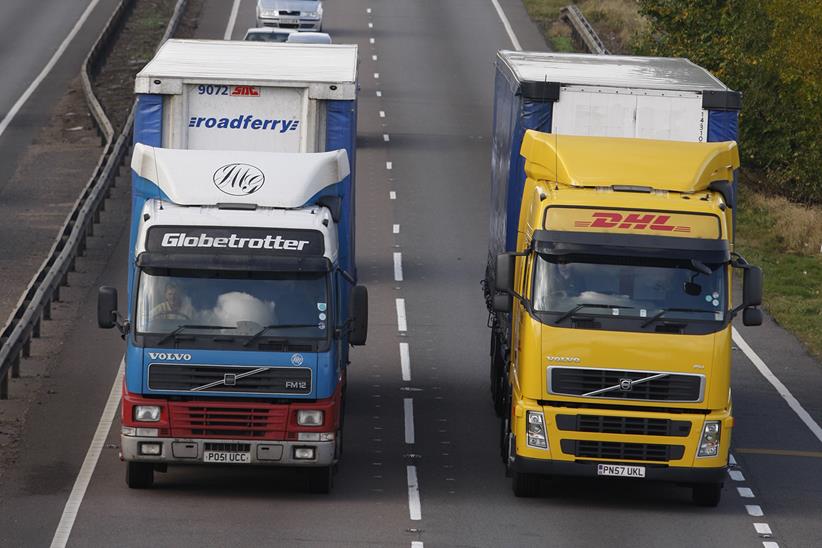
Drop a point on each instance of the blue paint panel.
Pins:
(723, 125)
(148, 120)
(134, 371)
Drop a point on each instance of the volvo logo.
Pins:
(572, 359)
(230, 379)
(169, 356)
(626, 385)
(239, 179)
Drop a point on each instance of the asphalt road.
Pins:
(422, 193)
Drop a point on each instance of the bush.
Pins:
(768, 50)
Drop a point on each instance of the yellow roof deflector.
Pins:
(605, 161)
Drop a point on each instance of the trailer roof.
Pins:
(232, 61)
(668, 73)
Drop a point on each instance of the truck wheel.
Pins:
(525, 485)
(139, 475)
(707, 494)
(320, 480)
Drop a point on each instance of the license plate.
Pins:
(289, 21)
(227, 457)
(620, 470)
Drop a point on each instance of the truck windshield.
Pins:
(233, 304)
(629, 287)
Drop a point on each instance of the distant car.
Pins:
(302, 15)
(309, 38)
(268, 34)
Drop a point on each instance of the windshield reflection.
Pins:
(232, 303)
(629, 287)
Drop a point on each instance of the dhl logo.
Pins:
(245, 91)
(631, 221)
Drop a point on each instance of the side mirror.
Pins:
(359, 316)
(504, 272)
(752, 316)
(503, 302)
(752, 286)
(107, 307)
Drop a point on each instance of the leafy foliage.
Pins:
(770, 51)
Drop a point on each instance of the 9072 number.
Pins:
(203, 89)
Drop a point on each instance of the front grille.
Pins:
(622, 451)
(170, 377)
(605, 424)
(611, 384)
(227, 420)
(290, 13)
(230, 447)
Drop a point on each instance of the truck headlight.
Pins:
(535, 430)
(147, 413)
(310, 417)
(709, 442)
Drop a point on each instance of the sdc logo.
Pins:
(631, 221)
(239, 179)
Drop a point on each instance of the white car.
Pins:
(268, 34)
(309, 38)
(301, 15)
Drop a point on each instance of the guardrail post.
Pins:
(4, 387)
(15, 366)
(27, 349)
(35, 330)
(46, 310)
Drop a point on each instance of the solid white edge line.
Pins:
(232, 20)
(402, 322)
(396, 229)
(754, 510)
(63, 531)
(408, 408)
(15, 108)
(783, 391)
(507, 25)
(405, 361)
(763, 528)
(414, 507)
(397, 266)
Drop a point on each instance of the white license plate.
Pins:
(620, 470)
(227, 457)
(289, 21)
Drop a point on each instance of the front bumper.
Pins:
(589, 469)
(190, 451)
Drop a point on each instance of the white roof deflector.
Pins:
(267, 179)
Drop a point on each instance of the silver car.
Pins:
(302, 15)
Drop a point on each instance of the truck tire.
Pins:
(139, 475)
(706, 494)
(320, 480)
(525, 485)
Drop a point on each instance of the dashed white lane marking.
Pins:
(376, 76)
(745, 492)
(389, 165)
(370, 25)
(770, 544)
(414, 507)
(385, 137)
(736, 475)
(371, 40)
(408, 407)
(402, 322)
(373, 57)
(392, 195)
(379, 93)
(731, 460)
(61, 535)
(754, 510)
(382, 114)
(763, 528)
(397, 266)
(405, 361)
(507, 25)
(396, 229)
(232, 20)
(783, 391)
(416, 544)
(368, 10)
(15, 108)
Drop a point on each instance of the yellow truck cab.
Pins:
(618, 357)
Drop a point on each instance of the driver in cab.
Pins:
(171, 307)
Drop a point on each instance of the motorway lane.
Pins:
(435, 83)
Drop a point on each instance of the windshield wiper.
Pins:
(662, 312)
(586, 305)
(173, 334)
(259, 333)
